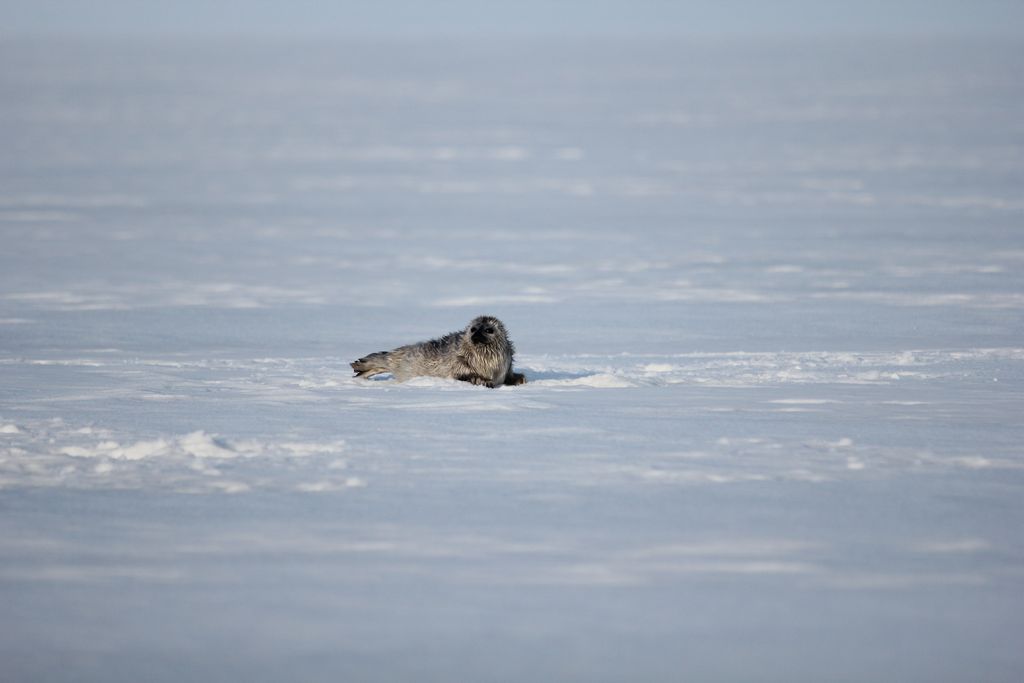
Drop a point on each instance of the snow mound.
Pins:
(115, 451)
(203, 445)
(54, 453)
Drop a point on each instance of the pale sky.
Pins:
(573, 18)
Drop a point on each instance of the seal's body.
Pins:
(481, 354)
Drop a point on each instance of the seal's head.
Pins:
(486, 330)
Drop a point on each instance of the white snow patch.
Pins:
(509, 153)
(234, 295)
(203, 445)
(459, 406)
(45, 455)
(306, 449)
(658, 367)
(722, 295)
(568, 154)
(113, 450)
(324, 383)
(596, 381)
(228, 486)
(328, 485)
(438, 383)
(960, 546)
(974, 462)
(495, 299)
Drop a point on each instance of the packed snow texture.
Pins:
(768, 299)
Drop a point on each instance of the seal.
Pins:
(479, 354)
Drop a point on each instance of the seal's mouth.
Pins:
(479, 338)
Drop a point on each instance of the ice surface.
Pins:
(768, 298)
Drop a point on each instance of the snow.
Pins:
(767, 299)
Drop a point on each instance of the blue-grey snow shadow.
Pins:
(532, 375)
(383, 377)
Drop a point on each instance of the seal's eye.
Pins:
(472, 330)
(489, 330)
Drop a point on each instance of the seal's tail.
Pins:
(374, 364)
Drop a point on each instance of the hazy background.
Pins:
(571, 18)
